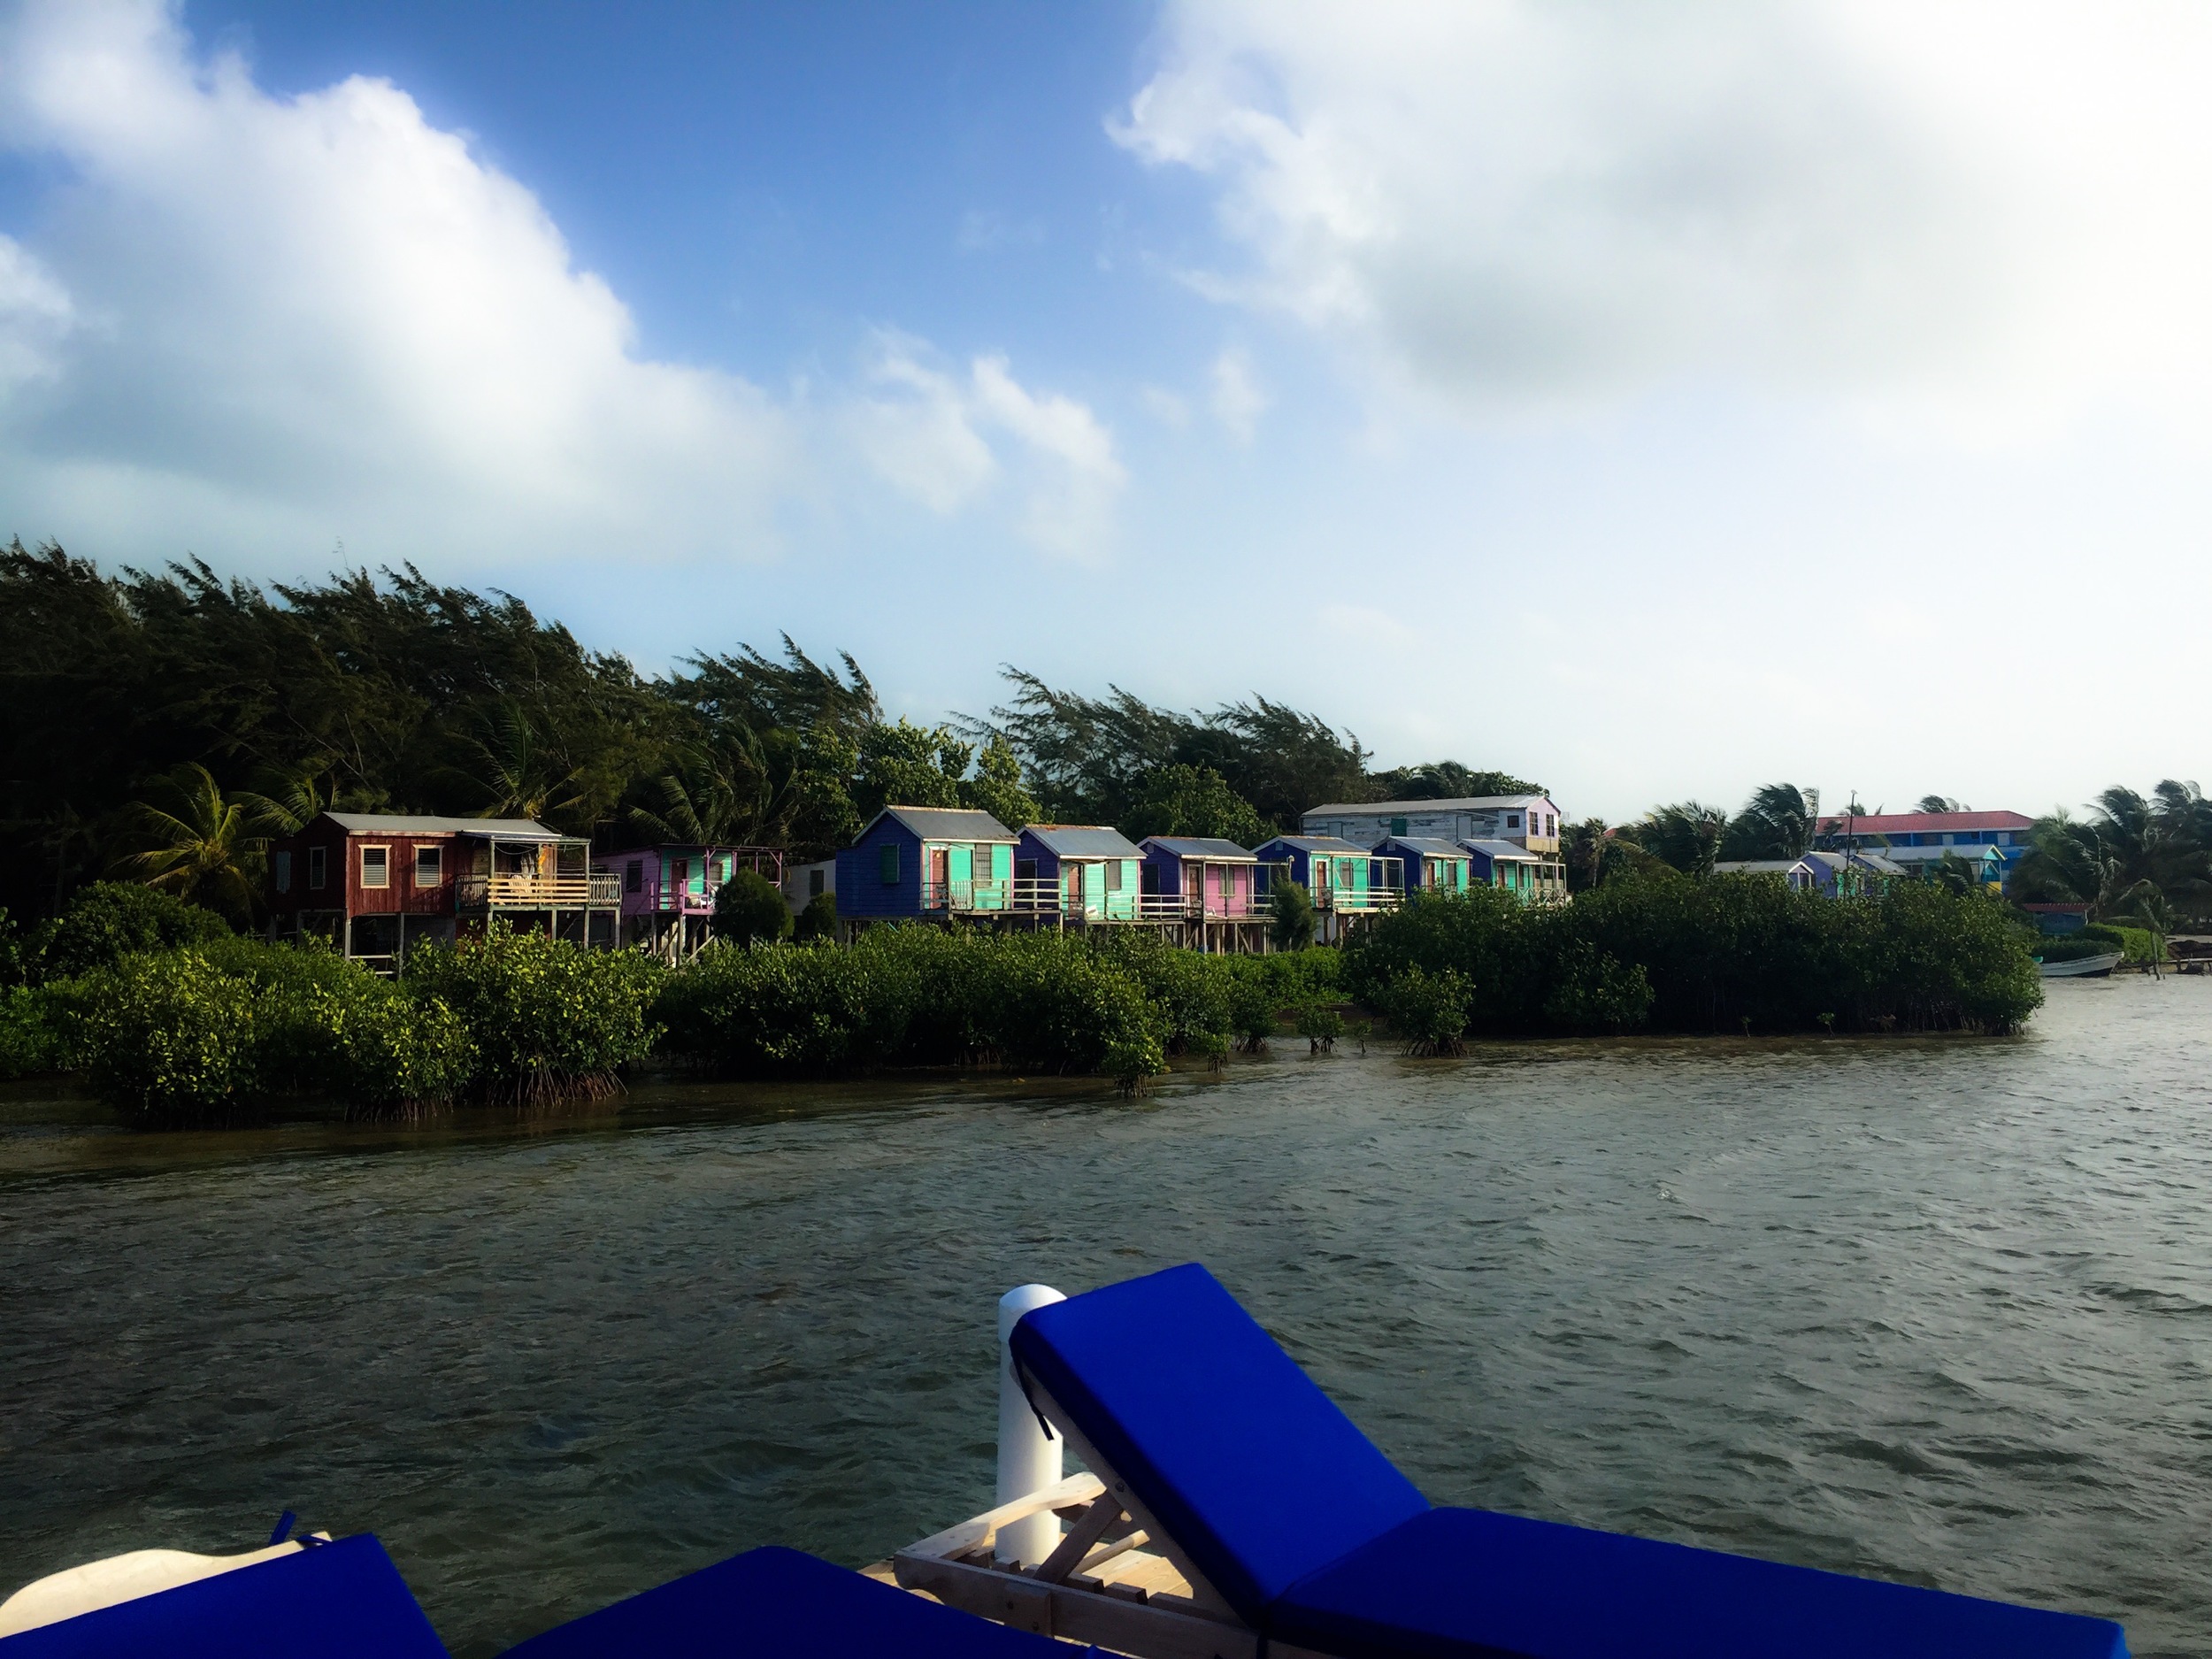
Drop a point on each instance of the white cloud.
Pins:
(304, 318)
(1516, 203)
(923, 428)
(1169, 409)
(1238, 401)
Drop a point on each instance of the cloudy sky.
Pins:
(1654, 401)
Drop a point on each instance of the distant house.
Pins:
(2056, 920)
(1341, 876)
(375, 884)
(1917, 838)
(1529, 876)
(1796, 872)
(668, 892)
(1200, 876)
(1431, 865)
(802, 884)
(1086, 871)
(1853, 873)
(917, 862)
(1531, 822)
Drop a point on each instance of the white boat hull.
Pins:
(2081, 968)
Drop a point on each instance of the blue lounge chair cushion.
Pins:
(1464, 1584)
(770, 1603)
(342, 1600)
(1246, 1463)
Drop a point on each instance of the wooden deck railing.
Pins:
(530, 892)
(965, 895)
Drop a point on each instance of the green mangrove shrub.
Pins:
(171, 1040)
(110, 921)
(549, 1021)
(1428, 1011)
(1671, 954)
(748, 907)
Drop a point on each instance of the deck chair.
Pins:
(1283, 1516)
(338, 1601)
(780, 1604)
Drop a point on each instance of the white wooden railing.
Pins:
(965, 895)
(531, 891)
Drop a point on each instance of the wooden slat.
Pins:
(1073, 1615)
(1078, 1544)
(983, 1530)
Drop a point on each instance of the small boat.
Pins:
(2081, 967)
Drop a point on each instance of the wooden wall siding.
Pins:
(342, 890)
(860, 889)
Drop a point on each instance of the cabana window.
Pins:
(376, 866)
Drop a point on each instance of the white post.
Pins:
(1027, 1462)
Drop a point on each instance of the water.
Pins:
(1936, 1310)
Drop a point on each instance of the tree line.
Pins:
(160, 726)
(2143, 860)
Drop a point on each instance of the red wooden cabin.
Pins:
(374, 884)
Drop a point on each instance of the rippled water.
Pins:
(1933, 1310)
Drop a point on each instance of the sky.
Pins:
(1653, 401)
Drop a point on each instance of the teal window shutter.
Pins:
(1397, 827)
(887, 860)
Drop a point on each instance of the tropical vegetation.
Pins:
(159, 726)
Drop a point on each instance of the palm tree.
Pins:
(204, 851)
(2146, 906)
(2066, 862)
(1687, 835)
(518, 774)
(1938, 803)
(1776, 823)
(288, 801)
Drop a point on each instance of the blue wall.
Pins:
(861, 888)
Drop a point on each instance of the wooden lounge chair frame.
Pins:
(1116, 1580)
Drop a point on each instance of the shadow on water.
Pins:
(1932, 1309)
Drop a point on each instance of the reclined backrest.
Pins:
(342, 1600)
(1248, 1466)
(779, 1604)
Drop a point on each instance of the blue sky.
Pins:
(1656, 404)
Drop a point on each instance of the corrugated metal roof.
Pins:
(1085, 841)
(1409, 809)
(1512, 850)
(951, 823)
(400, 824)
(1427, 846)
(1202, 847)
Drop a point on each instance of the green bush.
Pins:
(1320, 1025)
(549, 1021)
(174, 1041)
(41, 1029)
(398, 1053)
(2137, 944)
(1290, 910)
(818, 920)
(1711, 955)
(112, 920)
(1428, 1011)
(749, 907)
(2076, 947)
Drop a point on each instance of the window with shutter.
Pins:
(888, 863)
(376, 866)
(429, 866)
(318, 866)
(284, 872)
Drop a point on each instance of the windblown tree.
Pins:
(1447, 780)
(1686, 836)
(1777, 822)
(2127, 847)
(197, 845)
(1194, 801)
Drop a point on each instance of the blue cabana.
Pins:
(1431, 865)
(1173, 1394)
(925, 861)
(1085, 871)
(1340, 875)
